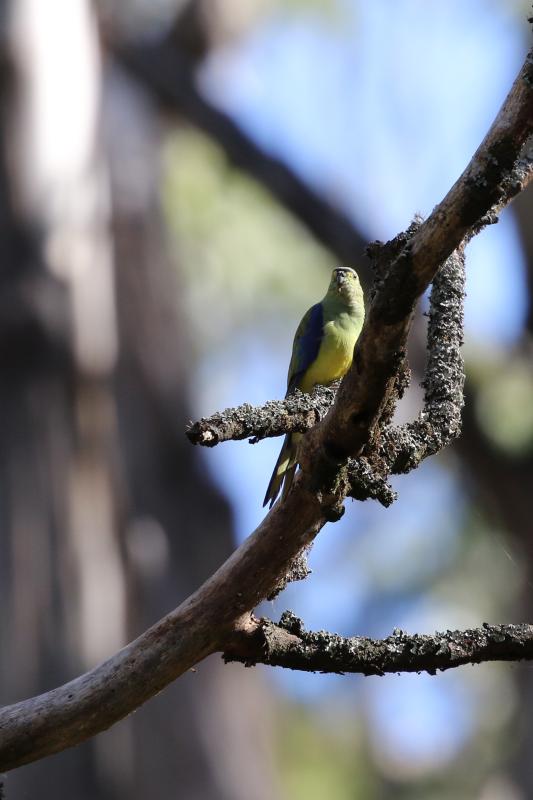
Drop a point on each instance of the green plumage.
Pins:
(322, 352)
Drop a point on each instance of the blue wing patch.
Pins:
(306, 345)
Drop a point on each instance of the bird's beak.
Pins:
(339, 278)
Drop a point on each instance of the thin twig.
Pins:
(296, 413)
(287, 644)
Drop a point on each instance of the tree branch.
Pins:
(400, 449)
(287, 644)
(440, 420)
(369, 383)
(513, 184)
(209, 619)
(297, 413)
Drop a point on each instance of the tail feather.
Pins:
(283, 471)
(288, 478)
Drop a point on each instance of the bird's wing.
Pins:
(307, 341)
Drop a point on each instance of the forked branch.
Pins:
(399, 449)
(213, 616)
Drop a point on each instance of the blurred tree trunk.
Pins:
(107, 519)
(220, 727)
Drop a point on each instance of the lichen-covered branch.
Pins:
(221, 609)
(366, 389)
(287, 644)
(296, 413)
(403, 448)
(400, 448)
(512, 184)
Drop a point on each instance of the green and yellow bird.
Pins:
(322, 352)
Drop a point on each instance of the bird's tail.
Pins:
(283, 471)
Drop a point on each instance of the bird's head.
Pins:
(345, 282)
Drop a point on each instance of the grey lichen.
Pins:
(288, 644)
(297, 571)
(296, 413)
(366, 482)
(397, 449)
(439, 422)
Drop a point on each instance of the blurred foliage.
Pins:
(517, 8)
(320, 760)
(245, 259)
(486, 576)
(505, 405)
(330, 11)
(335, 750)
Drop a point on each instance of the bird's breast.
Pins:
(334, 356)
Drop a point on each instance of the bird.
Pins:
(322, 352)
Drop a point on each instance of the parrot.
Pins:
(322, 352)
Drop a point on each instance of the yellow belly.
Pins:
(334, 357)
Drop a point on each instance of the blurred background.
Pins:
(177, 180)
